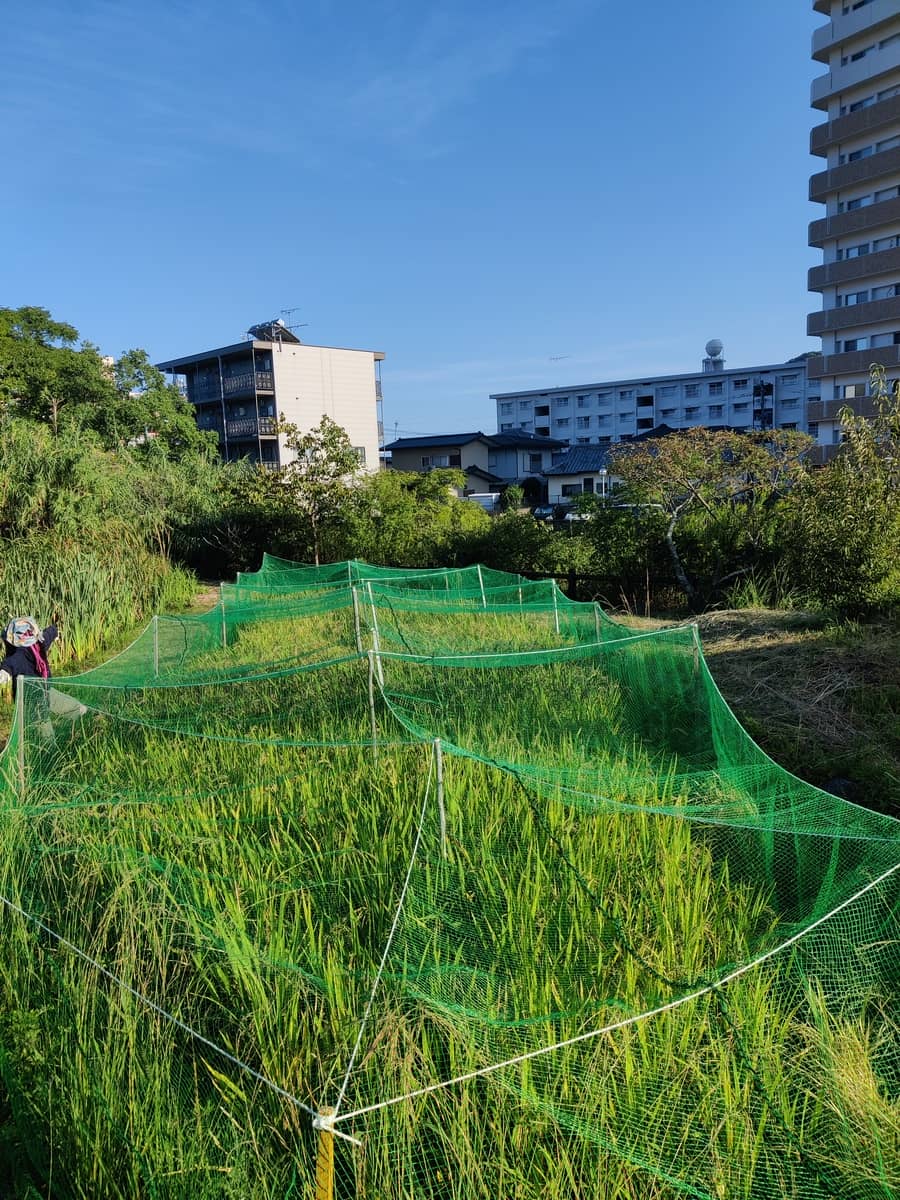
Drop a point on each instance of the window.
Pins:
(360, 452)
(889, 92)
(535, 462)
(739, 384)
(856, 55)
(583, 422)
(891, 40)
(858, 343)
(813, 428)
(849, 298)
(691, 389)
(506, 407)
(888, 193)
(788, 379)
(604, 441)
(854, 251)
(439, 460)
(601, 396)
(715, 410)
(850, 391)
(524, 404)
(570, 489)
(789, 425)
(626, 394)
(885, 243)
(556, 456)
(583, 441)
(583, 402)
(880, 339)
(691, 411)
(856, 155)
(668, 412)
(562, 401)
(626, 416)
(850, 205)
(715, 389)
(542, 410)
(866, 102)
(848, 8)
(667, 391)
(888, 143)
(741, 406)
(506, 427)
(492, 461)
(562, 421)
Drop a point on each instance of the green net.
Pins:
(499, 886)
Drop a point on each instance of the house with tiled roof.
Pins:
(491, 461)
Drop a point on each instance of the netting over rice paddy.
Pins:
(367, 890)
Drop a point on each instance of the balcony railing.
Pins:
(247, 382)
(201, 391)
(249, 427)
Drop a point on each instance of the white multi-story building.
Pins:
(241, 390)
(598, 414)
(859, 235)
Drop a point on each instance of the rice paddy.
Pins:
(501, 882)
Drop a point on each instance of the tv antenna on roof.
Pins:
(287, 312)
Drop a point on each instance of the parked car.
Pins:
(544, 512)
(575, 514)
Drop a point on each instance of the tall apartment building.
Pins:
(859, 235)
(239, 391)
(598, 414)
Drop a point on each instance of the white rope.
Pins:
(654, 1012)
(156, 1007)
(390, 938)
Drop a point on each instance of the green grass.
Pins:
(233, 849)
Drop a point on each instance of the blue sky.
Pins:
(498, 195)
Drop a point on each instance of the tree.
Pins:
(408, 518)
(150, 411)
(317, 481)
(841, 535)
(699, 470)
(43, 377)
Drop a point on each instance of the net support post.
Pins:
(224, 628)
(155, 644)
(439, 791)
(695, 632)
(20, 727)
(555, 607)
(376, 640)
(325, 1156)
(597, 620)
(481, 586)
(373, 722)
(520, 597)
(356, 626)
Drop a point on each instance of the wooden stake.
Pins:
(325, 1161)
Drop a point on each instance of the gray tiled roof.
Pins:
(580, 460)
(437, 439)
(521, 437)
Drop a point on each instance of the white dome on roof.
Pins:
(714, 348)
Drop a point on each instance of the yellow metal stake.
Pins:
(325, 1160)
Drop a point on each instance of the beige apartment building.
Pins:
(239, 391)
(859, 234)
